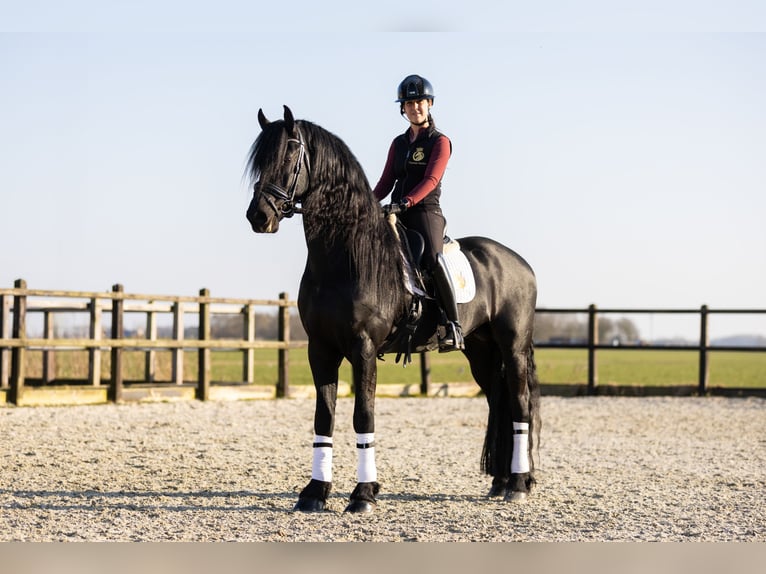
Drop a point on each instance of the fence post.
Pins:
(94, 353)
(203, 356)
(177, 353)
(118, 307)
(425, 372)
(283, 376)
(592, 342)
(49, 355)
(248, 358)
(18, 354)
(150, 358)
(704, 368)
(5, 333)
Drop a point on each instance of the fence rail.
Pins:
(19, 303)
(703, 347)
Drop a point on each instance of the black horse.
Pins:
(352, 297)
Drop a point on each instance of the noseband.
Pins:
(274, 192)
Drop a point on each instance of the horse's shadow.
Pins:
(236, 501)
(66, 500)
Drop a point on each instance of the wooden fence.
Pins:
(20, 303)
(703, 347)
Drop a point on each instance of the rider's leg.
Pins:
(450, 333)
(429, 221)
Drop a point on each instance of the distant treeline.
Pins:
(548, 326)
(232, 327)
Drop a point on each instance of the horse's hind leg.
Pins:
(524, 404)
(324, 368)
(506, 379)
(487, 369)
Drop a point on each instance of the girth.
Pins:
(400, 338)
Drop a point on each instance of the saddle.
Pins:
(412, 246)
(458, 267)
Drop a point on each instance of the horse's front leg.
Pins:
(324, 368)
(365, 378)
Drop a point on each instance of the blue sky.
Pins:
(619, 148)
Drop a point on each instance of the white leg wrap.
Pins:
(321, 468)
(520, 460)
(365, 450)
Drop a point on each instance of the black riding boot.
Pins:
(450, 333)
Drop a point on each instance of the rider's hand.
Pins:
(395, 207)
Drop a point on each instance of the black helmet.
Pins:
(415, 87)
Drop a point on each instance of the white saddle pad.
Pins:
(460, 272)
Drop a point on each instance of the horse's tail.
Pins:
(535, 422)
(498, 443)
(496, 454)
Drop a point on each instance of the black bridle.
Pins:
(273, 192)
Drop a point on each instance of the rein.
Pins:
(272, 191)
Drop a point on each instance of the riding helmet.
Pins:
(414, 87)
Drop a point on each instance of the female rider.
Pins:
(414, 169)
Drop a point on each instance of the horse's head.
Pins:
(279, 166)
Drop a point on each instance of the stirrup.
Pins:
(452, 339)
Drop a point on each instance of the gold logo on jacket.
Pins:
(418, 155)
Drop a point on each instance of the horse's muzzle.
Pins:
(264, 213)
(260, 221)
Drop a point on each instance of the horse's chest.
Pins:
(324, 311)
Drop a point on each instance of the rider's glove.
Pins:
(395, 207)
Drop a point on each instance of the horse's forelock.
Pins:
(266, 150)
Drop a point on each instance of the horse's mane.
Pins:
(340, 209)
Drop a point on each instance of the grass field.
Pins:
(652, 367)
(618, 366)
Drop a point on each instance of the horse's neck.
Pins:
(353, 252)
(325, 257)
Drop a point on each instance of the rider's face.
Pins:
(417, 110)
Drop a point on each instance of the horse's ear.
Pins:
(262, 119)
(289, 119)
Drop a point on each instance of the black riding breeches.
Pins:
(430, 223)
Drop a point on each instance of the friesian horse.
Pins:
(352, 297)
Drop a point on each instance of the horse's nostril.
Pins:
(261, 223)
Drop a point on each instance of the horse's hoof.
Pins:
(515, 496)
(360, 507)
(496, 490)
(310, 505)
